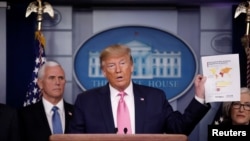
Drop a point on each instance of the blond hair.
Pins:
(114, 50)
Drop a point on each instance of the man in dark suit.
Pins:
(9, 130)
(96, 110)
(36, 120)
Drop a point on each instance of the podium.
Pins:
(118, 137)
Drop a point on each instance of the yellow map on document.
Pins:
(221, 73)
(223, 77)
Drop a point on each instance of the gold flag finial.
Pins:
(244, 7)
(40, 9)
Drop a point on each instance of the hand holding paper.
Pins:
(199, 86)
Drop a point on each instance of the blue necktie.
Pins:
(56, 121)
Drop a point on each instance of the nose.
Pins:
(242, 108)
(118, 68)
(57, 81)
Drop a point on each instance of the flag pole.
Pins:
(244, 7)
(33, 94)
(39, 8)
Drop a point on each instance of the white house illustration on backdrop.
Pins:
(148, 64)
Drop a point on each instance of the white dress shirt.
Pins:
(48, 110)
(129, 99)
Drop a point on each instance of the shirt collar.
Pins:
(128, 90)
(48, 106)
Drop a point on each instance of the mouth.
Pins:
(57, 89)
(119, 78)
(241, 116)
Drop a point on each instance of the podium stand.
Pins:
(118, 137)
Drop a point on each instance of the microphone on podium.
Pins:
(125, 130)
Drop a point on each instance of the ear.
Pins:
(104, 72)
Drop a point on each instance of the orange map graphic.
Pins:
(221, 72)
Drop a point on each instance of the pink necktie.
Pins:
(123, 119)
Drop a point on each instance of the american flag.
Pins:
(33, 94)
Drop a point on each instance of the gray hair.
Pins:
(41, 71)
(226, 107)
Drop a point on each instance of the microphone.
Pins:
(116, 130)
(125, 130)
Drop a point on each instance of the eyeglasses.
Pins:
(237, 105)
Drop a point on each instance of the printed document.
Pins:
(223, 77)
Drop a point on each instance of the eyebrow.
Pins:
(123, 60)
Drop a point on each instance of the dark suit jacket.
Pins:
(9, 130)
(34, 124)
(153, 113)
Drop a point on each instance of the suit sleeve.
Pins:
(186, 122)
(76, 124)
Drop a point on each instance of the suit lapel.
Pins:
(42, 117)
(140, 108)
(68, 114)
(106, 108)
